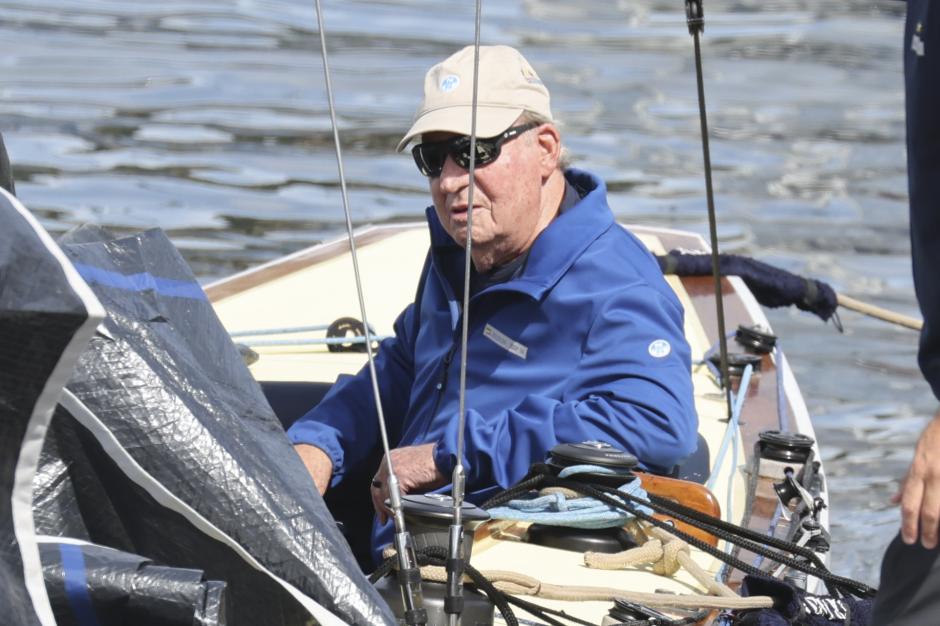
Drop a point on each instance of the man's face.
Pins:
(507, 197)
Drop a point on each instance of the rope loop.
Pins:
(669, 564)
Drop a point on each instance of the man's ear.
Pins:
(549, 142)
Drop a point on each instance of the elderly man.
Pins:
(573, 333)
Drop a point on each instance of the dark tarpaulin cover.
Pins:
(89, 582)
(46, 316)
(165, 446)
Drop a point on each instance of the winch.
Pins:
(428, 517)
(602, 455)
(755, 339)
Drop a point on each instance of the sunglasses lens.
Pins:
(487, 150)
(429, 157)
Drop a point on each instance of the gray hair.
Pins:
(564, 161)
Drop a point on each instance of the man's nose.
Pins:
(453, 177)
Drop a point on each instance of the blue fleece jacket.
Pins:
(585, 343)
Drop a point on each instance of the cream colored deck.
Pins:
(326, 291)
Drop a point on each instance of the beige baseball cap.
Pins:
(507, 86)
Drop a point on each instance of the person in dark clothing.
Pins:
(910, 571)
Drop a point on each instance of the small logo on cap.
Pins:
(659, 348)
(530, 76)
(449, 83)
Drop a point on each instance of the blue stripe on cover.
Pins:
(141, 282)
(76, 585)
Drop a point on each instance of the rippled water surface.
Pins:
(209, 119)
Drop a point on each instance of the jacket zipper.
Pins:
(443, 380)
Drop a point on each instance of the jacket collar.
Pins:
(554, 250)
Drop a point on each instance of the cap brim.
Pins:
(491, 121)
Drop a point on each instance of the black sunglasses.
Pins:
(431, 155)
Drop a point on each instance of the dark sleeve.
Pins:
(922, 82)
(345, 423)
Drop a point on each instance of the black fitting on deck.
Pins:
(695, 16)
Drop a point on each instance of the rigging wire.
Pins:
(453, 604)
(411, 579)
(695, 17)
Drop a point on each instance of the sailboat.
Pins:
(760, 469)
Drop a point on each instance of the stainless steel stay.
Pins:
(453, 603)
(695, 17)
(404, 546)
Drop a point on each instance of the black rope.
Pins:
(496, 596)
(678, 510)
(707, 522)
(529, 482)
(835, 584)
(658, 621)
(746, 538)
(384, 569)
(698, 543)
(545, 613)
(437, 555)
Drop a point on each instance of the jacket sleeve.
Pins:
(632, 388)
(923, 174)
(345, 423)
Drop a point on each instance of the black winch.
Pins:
(603, 540)
(598, 453)
(348, 327)
(785, 446)
(756, 339)
(428, 518)
(737, 361)
(601, 454)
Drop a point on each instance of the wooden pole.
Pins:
(879, 313)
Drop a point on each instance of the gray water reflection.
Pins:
(208, 119)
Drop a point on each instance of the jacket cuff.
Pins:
(444, 459)
(326, 438)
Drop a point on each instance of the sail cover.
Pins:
(47, 314)
(95, 585)
(164, 446)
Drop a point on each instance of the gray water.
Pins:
(209, 119)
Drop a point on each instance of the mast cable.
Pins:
(695, 17)
(409, 577)
(453, 601)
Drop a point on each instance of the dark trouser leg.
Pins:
(909, 594)
(350, 502)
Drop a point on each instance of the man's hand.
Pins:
(919, 495)
(414, 466)
(318, 463)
